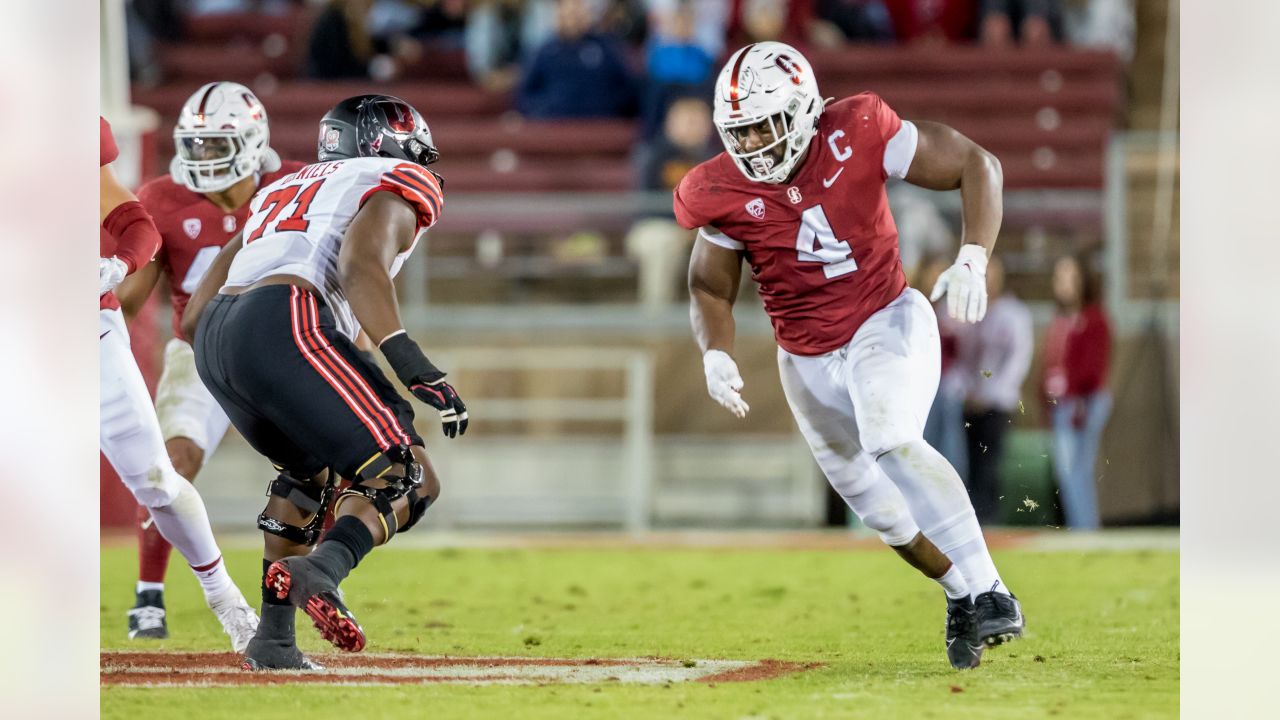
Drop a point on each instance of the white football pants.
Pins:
(130, 438)
(862, 410)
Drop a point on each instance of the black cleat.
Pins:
(999, 617)
(964, 649)
(274, 647)
(309, 588)
(146, 619)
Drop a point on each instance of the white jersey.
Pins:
(297, 224)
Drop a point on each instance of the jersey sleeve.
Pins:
(107, 150)
(418, 187)
(689, 203)
(899, 136)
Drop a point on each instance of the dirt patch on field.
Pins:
(193, 669)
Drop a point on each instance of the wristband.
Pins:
(408, 360)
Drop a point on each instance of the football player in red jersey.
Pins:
(799, 193)
(130, 433)
(223, 155)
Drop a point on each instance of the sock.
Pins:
(144, 586)
(185, 524)
(269, 596)
(953, 583)
(342, 548)
(277, 624)
(153, 550)
(941, 507)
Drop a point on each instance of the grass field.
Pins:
(1102, 634)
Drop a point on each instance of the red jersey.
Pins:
(824, 247)
(193, 231)
(107, 152)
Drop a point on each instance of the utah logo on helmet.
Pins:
(768, 89)
(221, 138)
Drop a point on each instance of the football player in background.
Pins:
(799, 193)
(223, 155)
(130, 434)
(276, 348)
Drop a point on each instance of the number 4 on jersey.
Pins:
(816, 242)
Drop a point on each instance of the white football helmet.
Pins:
(221, 138)
(768, 86)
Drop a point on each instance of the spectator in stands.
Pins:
(1077, 353)
(676, 65)
(1101, 23)
(788, 21)
(1031, 23)
(855, 20)
(499, 34)
(340, 45)
(932, 21)
(993, 356)
(578, 73)
(944, 429)
(710, 21)
(658, 245)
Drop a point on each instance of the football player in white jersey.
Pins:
(274, 323)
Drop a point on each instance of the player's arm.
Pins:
(715, 273)
(383, 228)
(214, 278)
(133, 291)
(946, 160)
(121, 215)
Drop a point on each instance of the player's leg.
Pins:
(339, 410)
(131, 440)
(192, 425)
(893, 368)
(815, 388)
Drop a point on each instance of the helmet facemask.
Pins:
(781, 131)
(211, 161)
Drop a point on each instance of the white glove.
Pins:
(110, 272)
(965, 285)
(723, 381)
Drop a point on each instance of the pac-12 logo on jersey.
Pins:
(191, 226)
(756, 208)
(229, 223)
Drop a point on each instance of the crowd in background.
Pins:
(655, 61)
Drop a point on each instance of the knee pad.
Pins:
(157, 487)
(306, 497)
(393, 489)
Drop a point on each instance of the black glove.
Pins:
(426, 382)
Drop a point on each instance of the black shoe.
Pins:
(274, 647)
(999, 617)
(309, 588)
(146, 619)
(964, 650)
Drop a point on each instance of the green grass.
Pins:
(1102, 635)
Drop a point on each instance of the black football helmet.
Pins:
(375, 126)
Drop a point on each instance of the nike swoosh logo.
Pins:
(103, 335)
(828, 183)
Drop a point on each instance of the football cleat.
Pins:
(274, 646)
(308, 588)
(964, 649)
(238, 619)
(999, 617)
(147, 618)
